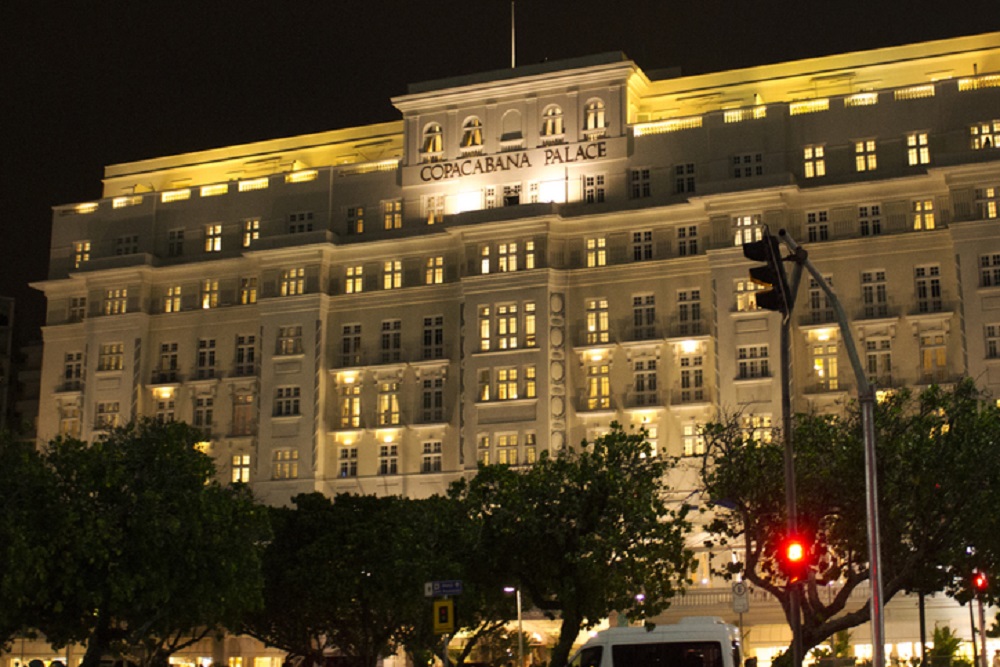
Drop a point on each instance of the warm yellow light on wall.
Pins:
(975, 83)
(914, 92)
(689, 346)
(124, 202)
(552, 192)
(468, 201)
(163, 393)
(301, 176)
(740, 115)
(214, 190)
(254, 184)
(664, 126)
(597, 355)
(168, 196)
(348, 377)
(808, 106)
(84, 209)
(823, 335)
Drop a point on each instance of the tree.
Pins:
(348, 575)
(938, 473)
(158, 554)
(584, 532)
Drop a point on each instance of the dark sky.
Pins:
(86, 84)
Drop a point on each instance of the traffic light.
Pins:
(979, 582)
(771, 274)
(793, 556)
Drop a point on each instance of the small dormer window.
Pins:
(552, 124)
(433, 145)
(594, 120)
(472, 133)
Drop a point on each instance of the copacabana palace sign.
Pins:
(561, 155)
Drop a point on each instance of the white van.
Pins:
(699, 641)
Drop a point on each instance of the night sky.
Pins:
(86, 84)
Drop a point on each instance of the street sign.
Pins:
(443, 589)
(741, 599)
(444, 617)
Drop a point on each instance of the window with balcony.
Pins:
(644, 382)
(878, 359)
(168, 366)
(204, 407)
(824, 363)
(392, 341)
(928, 288)
(350, 345)
(350, 405)
(69, 421)
(598, 386)
(817, 226)
(432, 400)
(692, 377)
(72, 371)
(874, 293)
(206, 358)
(689, 312)
(246, 355)
(643, 316)
(820, 306)
(388, 404)
(106, 415)
(165, 410)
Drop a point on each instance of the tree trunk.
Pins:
(567, 635)
(97, 643)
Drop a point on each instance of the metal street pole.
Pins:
(866, 397)
(520, 632)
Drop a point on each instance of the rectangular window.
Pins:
(289, 340)
(165, 410)
(747, 228)
(483, 448)
(392, 214)
(172, 302)
(111, 357)
(506, 257)
(348, 461)
(127, 245)
(988, 202)
(985, 134)
(814, 161)
(81, 253)
(484, 259)
(248, 290)
(293, 281)
(689, 312)
(175, 242)
(204, 407)
(72, 371)
(433, 342)
(388, 404)
(106, 415)
(286, 401)
(354, 280)
(878, 360)
(933, 357)
(213, 238)
(639, 185)
(693, 442)
(870, 219)
(350, 405)
(824, 364)
(923, 214)
(864, 155)
(512, 194)
(115, 301)
(917, 149)
(874, 295)
(992, 337)
(746, 295)
(530, 448)
(687, 240)
(506, 384)
(746, 165)
(388, 459)
(300, 222)
(166, 370)
(77, 308)
(241, 469)
(484, 329)
(356, 220)
(593, 188)
(392, 274)
(820, 307)
(350, 345)
(483, 383)
(392, 341)
(817, 226)
(530, 382)
(756, 427)
(597, 251)
(251, 231)
(598, 387)
(433, 209)
(989, 270)
(209, 293)
(206, 358)
(752, 362)
(928, 288)
(69, 421)
(692, 377)
(431, 461)
(434, 271)
(285, 464)
(643, 317)
(684, 178)
(597, 321)
(644, 382)
(530, 334)
(642, 245)
(529, 255)
(506, 449)
(246, 355)
(432, 400)
(506, 327)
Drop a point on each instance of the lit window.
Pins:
(597, 252)
(594, 118)
(597, 321)
(253, 184)
(392, 214)
(213, 238)
(115, 301)
(824, 363)
(106, 415)
(285, 464)
(692, 440)
(985, 134)
(530, 336)
(433, 145)
(756, 427)
(864, 155)
(388, 404)
(484, 259)
(350, 405)
(814, 161)
(172, 303)
(870, 219)
(483, 379)
(248, 290)
(392, 274)
(529, 255)
(923, 214)
(552, 124)
(356, 220)
(748, 228)
(434, 271)
(507, 327)
(483, 448)
(506, 257)
(933, 357)
(530, 382)
(251, 231)
(484, 328)
(506, 449)
(289, 340)
(472, 133)
(988, 202)
(286, 401)
(598, 386)
(292, 281)
(917, 150)
(746, 297)
(209, 293)
(506, 384)
(81, 253)
(433, 206)
(354, 282)
(241, 469)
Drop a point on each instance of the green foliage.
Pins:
(583, 532)
(151, 548)
(938, 491)
(945, 648)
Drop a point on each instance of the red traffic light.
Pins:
(979, 581)
(795, 551)
(793, 556)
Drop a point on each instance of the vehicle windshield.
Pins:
(674, 654)
(587, 657)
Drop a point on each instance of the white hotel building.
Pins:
(528, 255)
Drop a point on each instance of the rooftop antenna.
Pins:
(512, 49)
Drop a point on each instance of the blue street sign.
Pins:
(445, 588)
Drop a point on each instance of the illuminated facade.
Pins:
(529, 255)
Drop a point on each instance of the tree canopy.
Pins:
(584, 532)
(938, 477)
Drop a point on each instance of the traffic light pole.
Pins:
(866, 398)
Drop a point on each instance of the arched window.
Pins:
(510, 127)
(433, 144)
(594, 117)
(472, 133)
(552, 121)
